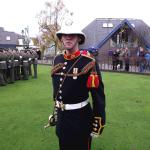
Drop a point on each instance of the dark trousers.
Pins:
(24, 72)
(2, 80)
(30, 70)
(35, 70)
(126, 67)
(10, 75)
(75, 144)
(17, 72)
(73, 128)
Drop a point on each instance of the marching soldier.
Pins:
(3, 68)
(10, 66)
(30, 62)
(24, 65)
(35, 62)
(75, 74)
(16, 64)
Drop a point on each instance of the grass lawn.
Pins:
(26, 105)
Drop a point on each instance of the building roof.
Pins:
(8, 39)
(101, 29)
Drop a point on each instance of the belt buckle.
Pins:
(62, 106)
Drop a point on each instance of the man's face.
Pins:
(70, 41)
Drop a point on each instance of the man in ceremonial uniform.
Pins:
(75, 74)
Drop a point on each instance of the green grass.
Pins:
(25, 106)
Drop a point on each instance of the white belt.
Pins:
(16, 60)
(2, 61)
(25, 61)
(71, 106)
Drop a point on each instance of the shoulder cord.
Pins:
(66, 75)
(83, 71)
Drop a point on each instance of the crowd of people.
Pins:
(121, 59)
(17, 65)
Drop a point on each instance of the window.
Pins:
(8, 38)
(110, 25)
(104, 25)
(107, 25)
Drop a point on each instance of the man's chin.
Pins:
(69, 48)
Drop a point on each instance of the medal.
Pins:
(75, 72)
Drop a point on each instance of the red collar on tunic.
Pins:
(72, 56)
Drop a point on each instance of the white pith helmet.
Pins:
(72, 29)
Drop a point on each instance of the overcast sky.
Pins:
(15, 15)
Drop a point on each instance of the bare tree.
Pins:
(50, 21)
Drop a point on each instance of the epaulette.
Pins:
(60, 52)
(87, 54)
(58, 55)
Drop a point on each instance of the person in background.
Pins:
(35, 62)
(115, 59)
(10, 66)
(141, 59)
(127, 58)
(3, 68)
(147, 58)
